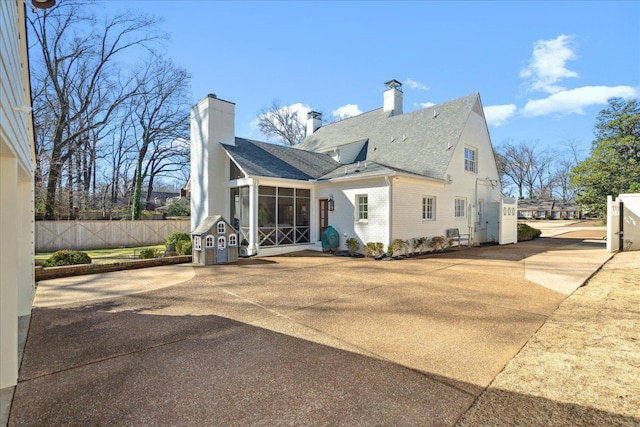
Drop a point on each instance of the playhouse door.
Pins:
(222, 256)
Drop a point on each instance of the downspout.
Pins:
(387, 181)
(253, 218)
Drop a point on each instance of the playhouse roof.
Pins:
(207, 224)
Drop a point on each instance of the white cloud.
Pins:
(497, 115)
(573, 101)
(346, 111)
(548, 64)
(423, 104)
(416, 85)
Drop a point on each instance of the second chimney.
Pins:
(314, 121)
(393, 97)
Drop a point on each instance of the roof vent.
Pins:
(212, 95)
(435, 114)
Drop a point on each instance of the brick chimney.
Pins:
(393, 97)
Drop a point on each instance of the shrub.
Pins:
(352, 245)
(438, 243)
(179, 207)
(179, 241)
(67, 258)
(398, 246)
(148, 253)
(372, 249)
(526, 232)
(186, 248)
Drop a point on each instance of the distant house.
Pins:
(548, 208)
(378, 176)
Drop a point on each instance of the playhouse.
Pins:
(215, 241)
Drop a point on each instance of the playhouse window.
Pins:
(197, 243)
(221, 228)
(208, 241)
(222, 242)
(233, 240)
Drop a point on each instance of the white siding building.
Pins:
(378, 176)
(17, 160)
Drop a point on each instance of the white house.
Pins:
(17, 161)
(377, 176)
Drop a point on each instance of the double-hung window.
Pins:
(460, 207)
(470, 160)
(428, 208)
(362, 207)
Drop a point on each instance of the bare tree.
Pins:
(283, 123)
(512, 166)
(528, 167)
(76, 81)
(160, 116)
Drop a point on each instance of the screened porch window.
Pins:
(283, 215)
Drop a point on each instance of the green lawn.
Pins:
(105, 256)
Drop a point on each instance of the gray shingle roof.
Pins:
(415, 142)
(206, 224)
(278, 161)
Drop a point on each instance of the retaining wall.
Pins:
(42, 273)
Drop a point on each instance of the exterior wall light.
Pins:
(43, 4)
(331, 203)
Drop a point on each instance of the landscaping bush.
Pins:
(526, 232)
(439, 243)
(60, 258)
(352, 245)
(372, 249)
(186, 248)
(179, 208)
(398, 247)
(148, 253)
(180, 241)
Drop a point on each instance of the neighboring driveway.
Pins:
(306, 339)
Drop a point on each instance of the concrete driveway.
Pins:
(306, 339)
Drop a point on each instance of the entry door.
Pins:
(323, 216)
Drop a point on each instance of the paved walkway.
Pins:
(582, 368)
(314, 340)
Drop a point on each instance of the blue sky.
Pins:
(543, 69)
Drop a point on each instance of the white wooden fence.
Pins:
(623, 223)
(56, 235)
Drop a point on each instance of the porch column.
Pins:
(253, 218)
